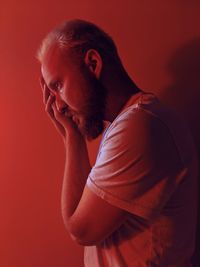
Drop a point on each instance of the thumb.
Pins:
(58, 115)
(66, 121)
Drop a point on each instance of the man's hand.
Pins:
(63, 123)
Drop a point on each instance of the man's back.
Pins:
(147, 166)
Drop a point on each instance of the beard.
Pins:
(93, 112)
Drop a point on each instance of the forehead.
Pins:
(55, 63)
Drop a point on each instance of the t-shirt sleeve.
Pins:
(138, 167)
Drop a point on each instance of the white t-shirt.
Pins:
(147, 166)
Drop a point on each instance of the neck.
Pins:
(119, 90)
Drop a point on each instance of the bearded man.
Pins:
(137, 206)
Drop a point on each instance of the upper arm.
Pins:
(94, 219)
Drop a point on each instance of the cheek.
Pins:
(73, 97)
(76, 91)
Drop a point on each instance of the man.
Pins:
(136, 207)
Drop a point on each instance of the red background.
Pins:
(159, 43)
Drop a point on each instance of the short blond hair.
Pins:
(79, 36)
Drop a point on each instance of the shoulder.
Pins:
(134, 124)
(141, 133)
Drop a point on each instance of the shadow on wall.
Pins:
(184, 95)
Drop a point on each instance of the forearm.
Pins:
(77, 168)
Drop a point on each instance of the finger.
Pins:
(64, 120)
(51, 112)
(45, 89)
(55, 111)
(58, 115)
(46, 94)
(49, 103)
(50, 100)
(42, 82)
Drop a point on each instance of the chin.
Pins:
(92, 137)
(92, 132)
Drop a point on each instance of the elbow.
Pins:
(82, 233)
(82, 236)
(82, 241)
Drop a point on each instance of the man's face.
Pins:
(78, 93)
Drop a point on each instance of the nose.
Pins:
(60, 104)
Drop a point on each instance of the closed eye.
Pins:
(56, 85)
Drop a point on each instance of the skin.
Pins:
(86, 106)
(67, 94)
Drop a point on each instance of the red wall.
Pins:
(159, 42)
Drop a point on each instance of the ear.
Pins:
(94, 62)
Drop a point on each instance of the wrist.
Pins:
(74, 136)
